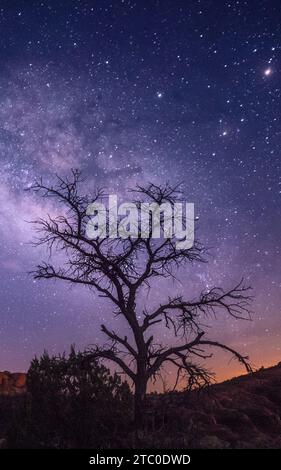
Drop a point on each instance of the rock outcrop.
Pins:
(12, 383)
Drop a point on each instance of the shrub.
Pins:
(73, 402)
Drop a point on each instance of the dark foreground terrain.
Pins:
(244, 412)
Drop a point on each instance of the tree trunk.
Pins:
(141, 377)
(139, 401)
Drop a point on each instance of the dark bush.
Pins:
(72, 402)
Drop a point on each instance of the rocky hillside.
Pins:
(244, 412)
(12, 383)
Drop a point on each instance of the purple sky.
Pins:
(128, 93)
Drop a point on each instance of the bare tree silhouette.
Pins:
(118, 269)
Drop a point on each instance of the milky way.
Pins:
(130, 92)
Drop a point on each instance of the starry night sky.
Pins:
(131, 92)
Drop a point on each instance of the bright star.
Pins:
(268, 72)
(159, 94)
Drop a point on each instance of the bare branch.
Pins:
(110, 354)
(234, 302)
(124, 341)
(243, 359)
